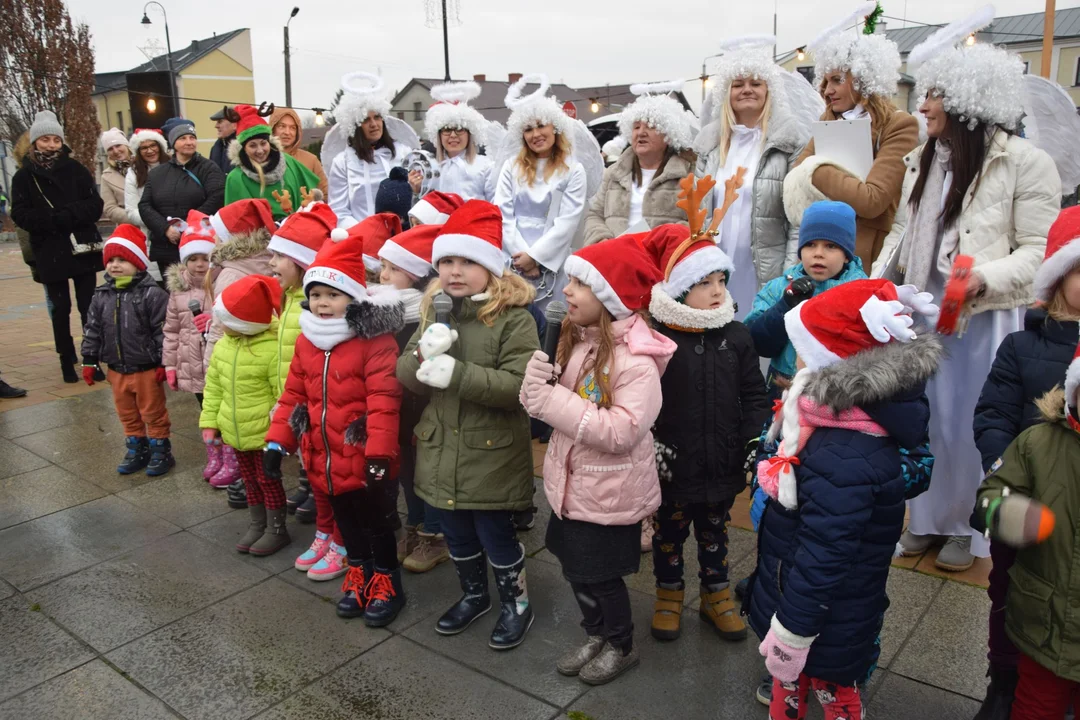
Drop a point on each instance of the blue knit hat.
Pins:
(829, 220)
(395, 195)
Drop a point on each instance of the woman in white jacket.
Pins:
(542, 192)
(148, 150)
(457, 130)
(974, 188)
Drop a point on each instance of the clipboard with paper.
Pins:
(845, 143)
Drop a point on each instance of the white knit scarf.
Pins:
(325, 333)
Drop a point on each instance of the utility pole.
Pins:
(1048, 38)
(288, 66)
(445, 43)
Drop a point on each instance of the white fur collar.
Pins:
(325, 334)
(673, 313)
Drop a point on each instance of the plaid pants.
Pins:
(261, 490)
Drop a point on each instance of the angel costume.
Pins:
(457, 175)
(467, 179)
(354, 183)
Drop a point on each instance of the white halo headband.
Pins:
(746, 42)
(348, 83)
(657, 88)
(514, 98)
(459, 92)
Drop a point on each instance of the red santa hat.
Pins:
(1072, 382)
(473, 232)
(373, 231)
(243, 216)
(411, 250)
(1062, 252)
(251, 123)
(303, 233)
(141, 135)
(129, 243)
(693, 262)
(340, 265)
(620, 273)
(248, 305)
(435, 207)
(197, 237)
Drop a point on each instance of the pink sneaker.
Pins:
(213, 461)
(230, 469)
(333, 564)
(319, 547)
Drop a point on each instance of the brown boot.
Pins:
(429, 552)
(275, 537)
(718, 609)
(667, 613)
(256, 528)
(407, 543)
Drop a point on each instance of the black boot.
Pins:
(472, 573)
(7, 392)
(303, 489)
(384, 597)
(999, 694)
(236, 494)
(161, 457)
(741, 587)
(515, 613)
(305, 511)
(137, 456)
(67, 367)
(356, 579)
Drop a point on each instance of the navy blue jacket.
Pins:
(823, 567)
(1029, 363)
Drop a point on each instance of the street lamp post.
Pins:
(445, 42)
(705, 74)
(288, 68)
(168, 52)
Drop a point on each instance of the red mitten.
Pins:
(202, 321)
(88, 374)
(159, 375)
(170, 377)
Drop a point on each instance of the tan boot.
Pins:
(429, 552)
(407, 543)
(667, 613)
(718, 609)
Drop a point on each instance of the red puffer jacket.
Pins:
(346, 399)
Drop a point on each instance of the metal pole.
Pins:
(445, 42)
(775, 12)
(172, 75)
(704, 79)
(288, 71)
(1048, 38)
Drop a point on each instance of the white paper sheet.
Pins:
(846, 143)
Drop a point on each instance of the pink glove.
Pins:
(170, 376)
(784, 662)
(536, 398)
(209, 435)
(202, 321)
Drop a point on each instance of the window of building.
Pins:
(120, 120)
(807, 71)
(1076, 74)
(1027, 67)
(416, 108)
(400, 114)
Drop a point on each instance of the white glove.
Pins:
(437, 371)
(436, 340)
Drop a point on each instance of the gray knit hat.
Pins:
(180, 130)
(45, 123)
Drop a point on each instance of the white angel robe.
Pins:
(736, 230)
(469, 180)
(354, 183)
(542, 220)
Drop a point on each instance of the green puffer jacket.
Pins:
(473, 446)
(1041, 611)
(287, 334)
(239, 389)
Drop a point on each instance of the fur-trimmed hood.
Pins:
(1052, 406)
(669, 311)
(178, 279)
(273, 175)
(241, 246)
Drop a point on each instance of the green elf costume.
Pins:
(280, 173)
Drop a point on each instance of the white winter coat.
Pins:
(354, 183)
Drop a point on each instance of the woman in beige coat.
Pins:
(118, 160)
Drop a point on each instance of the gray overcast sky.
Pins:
(579, 42)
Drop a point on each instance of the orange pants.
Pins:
(140, 404)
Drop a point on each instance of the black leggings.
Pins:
(605, 611)
(365, 518)
(59, 296)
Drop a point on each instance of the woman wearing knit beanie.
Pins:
(117, 162)
(54, 199)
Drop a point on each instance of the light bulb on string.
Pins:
(151, 105)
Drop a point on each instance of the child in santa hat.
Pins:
(600, 468)
(1028, 364)
(407, 269)
(837, 489)
(714, 406)
(1031, 484)
(340, 406)
(293, 248)
(434, 208)
(182, 353)
(474, 454)
(237, 399)
(124, 330)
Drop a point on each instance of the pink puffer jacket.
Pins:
(600, 465)
(242, 255)
(182, 349)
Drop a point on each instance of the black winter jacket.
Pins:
(219, 153)
(124, 328)
(171, 191)
(76, 207)
(1029, 363)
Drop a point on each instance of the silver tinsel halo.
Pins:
(663, 113)
(535, 111)
(358, 99)
(873, 60)
(458, 116)
(980, 82)
(750, 63)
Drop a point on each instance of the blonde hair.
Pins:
(878, 107)
(1058, 308)
(504, 292)
(470, 149)
(727, 122)
(527, 159)
(571, 334)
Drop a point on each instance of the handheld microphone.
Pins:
(554, 315)
(443, 305)
(196, 309)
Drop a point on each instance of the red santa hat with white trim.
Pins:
(411, 250)
(1062, 252)
(129, 243)
(340, 264)
(372, 231)
(303, 233)
(620, 272)
(473, 232)
(1072, 383)
(197, 237)
(248, 305)
(243, 216)
(436, 207)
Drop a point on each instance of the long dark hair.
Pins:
(140, 168)
(969, 147)
(366, 150)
